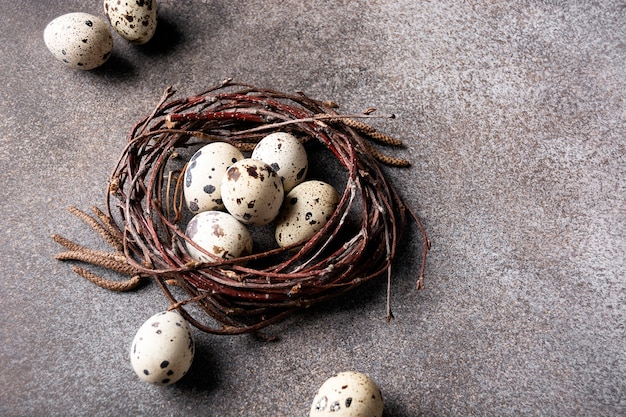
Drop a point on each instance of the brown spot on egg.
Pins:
(233, 173)
(217, 230)
(252, 171)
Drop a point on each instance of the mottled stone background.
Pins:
(514, 117)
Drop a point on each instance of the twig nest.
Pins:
(353, 236)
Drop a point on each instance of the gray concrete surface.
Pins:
(514, 115)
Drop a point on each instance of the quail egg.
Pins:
(203, 176)
(286, 155)
(305, 211)
(163, 349)
(219, 234)
(134, 20)
(348, 394)
(252, 191)
(79, 40)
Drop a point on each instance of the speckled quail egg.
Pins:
(348, 394)
(79, 40)
(286, 155)
(218, 233)
(305, 211)
(203, 176)
(252, 191)
(134, 20)
(163, 349)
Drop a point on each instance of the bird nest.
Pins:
(145, 217)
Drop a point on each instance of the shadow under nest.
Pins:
(144, 220)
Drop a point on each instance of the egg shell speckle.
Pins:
(286, 155)
(218, 233)
(135, 20)
(252, 192)
(204, 173)
(305, 211)
(163, 349)
(79, 40)
(348, 394)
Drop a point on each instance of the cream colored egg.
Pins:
(204, 173)
(252, 191)
(219, 234)
(305, 211)
(134, 20)
(348, 394)
(163, 349)
(79, 40)
(286, 155)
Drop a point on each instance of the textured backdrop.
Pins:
(514, 117)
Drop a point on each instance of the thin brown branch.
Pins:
(120, 286)
(102, 230)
